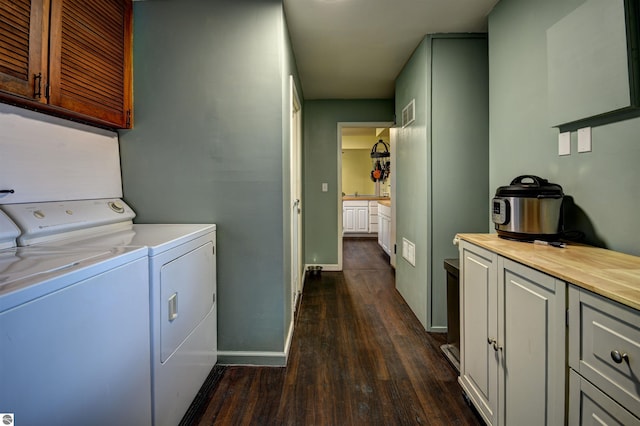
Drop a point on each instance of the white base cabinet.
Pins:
(589, 405)
(512, 339)
(355, 216)
(373, 217)
(479, 328)
(604, 360)
(384, 228)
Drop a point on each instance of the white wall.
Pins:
(45, 158)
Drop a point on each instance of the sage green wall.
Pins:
(604, 184)
(210, 145)
(442, 171)
(460, 154)
(412, 184)
(320, 209)
(289, 68)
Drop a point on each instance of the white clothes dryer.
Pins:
(182, 271)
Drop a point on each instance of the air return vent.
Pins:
(409, 113)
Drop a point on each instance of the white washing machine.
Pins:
(8, 232)
(74, 332)
(182, 287)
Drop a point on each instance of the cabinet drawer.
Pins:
(373, 228)
(589, 405)
(373, 219)
(384, 210)
(601, 333)
(355, 203)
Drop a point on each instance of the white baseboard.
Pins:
(257, 358)
(287, 343)
(360, 235)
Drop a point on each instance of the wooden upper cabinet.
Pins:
(90, 62)
(24, 27)
(86, 73)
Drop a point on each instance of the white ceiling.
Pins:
(355, 49)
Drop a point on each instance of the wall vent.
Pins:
(409, 113)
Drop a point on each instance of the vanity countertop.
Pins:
(363, 198)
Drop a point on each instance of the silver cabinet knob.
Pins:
(617, 357)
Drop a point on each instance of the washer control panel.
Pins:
(40, 222)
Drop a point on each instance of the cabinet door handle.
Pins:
(493, 343)
(37, 85)
(618, 357)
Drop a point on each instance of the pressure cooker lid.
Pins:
(530, 186)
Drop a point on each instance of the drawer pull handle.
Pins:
(617, 357)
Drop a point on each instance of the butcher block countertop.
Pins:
(385, 202)
(608, 273)
(362, 198)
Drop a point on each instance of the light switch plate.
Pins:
(325, 187)
(409, 251)
(584, 139)
(564, 143)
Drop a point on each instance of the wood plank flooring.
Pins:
(358, 357)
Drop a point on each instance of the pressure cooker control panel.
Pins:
(500, 213)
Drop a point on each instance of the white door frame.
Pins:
(341, 125)
(295, 161)
(393, 141)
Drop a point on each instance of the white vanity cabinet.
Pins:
(604, 360)
(355, 216)
(512, 339)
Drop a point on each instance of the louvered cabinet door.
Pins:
(90, 63)
(23, 48)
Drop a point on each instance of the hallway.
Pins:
(358, 357)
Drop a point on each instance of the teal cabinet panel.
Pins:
(590, 65)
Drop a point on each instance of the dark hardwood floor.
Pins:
(358, 357)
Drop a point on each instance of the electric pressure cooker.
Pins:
(528, 209)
